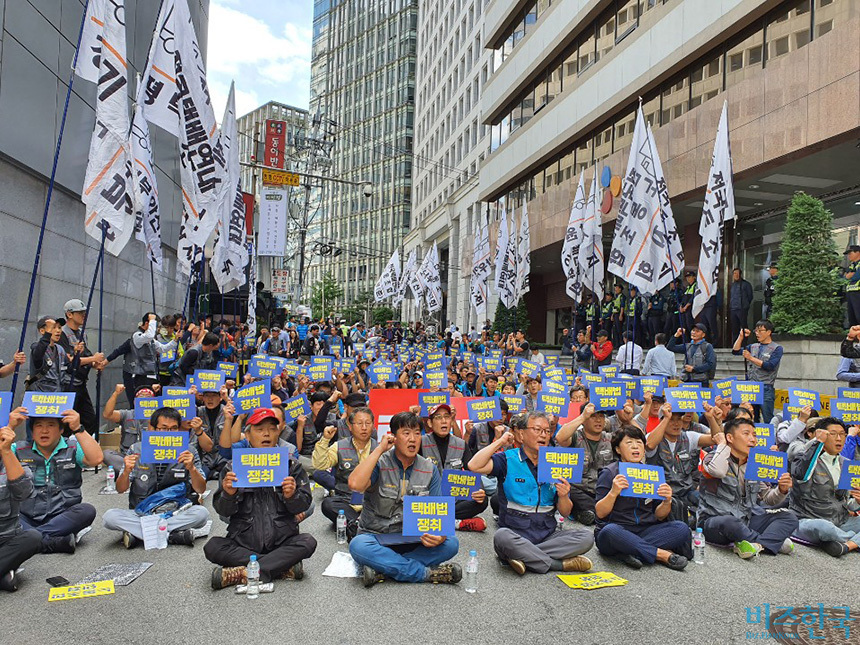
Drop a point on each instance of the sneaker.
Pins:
(80, 534)
(518, 566)
(203, 531)
(8, 582)
(787, 547)
(129, 541)
(64, 544)
(585, 518)
(836, 549)
(472, 524)
(746, 550)
(370, 577)
(676, 562)
(630, 560)
(295, 572)
(228, 576)
(577, 563)
(181, 536)
(264, 587)
(449, 574)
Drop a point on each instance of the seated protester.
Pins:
(491, 384)
(142, 481)
(17, 545)
(827, 515)
(48, 359)
(343, 456)
(481, 434)
(851, 450)
(216, 412)
(635, 530)
(281, 388)
(790, 431)
(797, 446)
(729, 506)
(385, 477)
(57, 463)
(198, 357)
(530, 387)
(587, 431)
(509, 388)
(677, 451)
(622, 417)
(470, 385)
(327, 413)
(261, 521)
(527, 538)
(449, 452)
(649, 416)
(130, 428)
(579, 394)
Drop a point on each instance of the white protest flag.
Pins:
(501, 252)
(481, 268)
(590, 257)
(508, 279)
(147, 222)
(573, 240)
(718, 209)
(646, 251)
(389, 281)
(252, 292)
(524, 262)
(177, 99)
(409, 279)
(431, 283)
(230, 255)
(108, 190)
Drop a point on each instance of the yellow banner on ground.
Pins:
(89, 590)
(596, 580)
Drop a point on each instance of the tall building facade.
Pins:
(568, 75)
(363, 90)
(451, 142)
(38, 44)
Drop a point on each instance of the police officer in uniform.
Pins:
(686, 308)
(142, 480)
(656, 314)
(527, 539)
(633, 315)
(852, 288)
(673, 308)
(606, 308)
(392, 471)
(619, 307)
(592, 313)
(769, 288)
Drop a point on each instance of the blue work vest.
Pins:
(527, 508)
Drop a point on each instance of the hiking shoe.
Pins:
(295, 572)
(787, 547)
(181, 536)
(449, 574)
(576, 563)
(63, 544)
(351, 529)
(585, 517)
(129, 541)
(518, 566)
(630, 560)
(471, 524)
(228, 576)
(370, 577)
(8, 582)
(203, 531)
(676, 562)
(80, 534)
(746, 550)
(836, 549)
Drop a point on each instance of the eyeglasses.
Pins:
(839, 434)
(163, 429)
(540, 431)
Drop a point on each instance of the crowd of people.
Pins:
(365, 470)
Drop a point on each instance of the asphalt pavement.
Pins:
(173, 601)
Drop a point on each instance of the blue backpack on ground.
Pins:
(164, 501)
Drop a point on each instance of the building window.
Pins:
(788, 30)
(744, 56)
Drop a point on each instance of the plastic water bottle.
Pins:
(471, 583)
(161, 539)
(110, 482)
(341, 527)
(253, 573)
(699, 547)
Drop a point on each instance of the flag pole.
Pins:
(38, 255)
(76, 359)
(152, 282)
(101, 326)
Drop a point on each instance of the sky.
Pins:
(262, 45)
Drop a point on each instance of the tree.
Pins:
(805, 301)
(508, 320)
(359, 308)
(324, 295)
(382, 315)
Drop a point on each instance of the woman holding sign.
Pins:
(632, 509)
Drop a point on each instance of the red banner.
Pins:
(248, 198)
(386, 403)
(276, 140)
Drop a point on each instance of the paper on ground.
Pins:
(343, 566)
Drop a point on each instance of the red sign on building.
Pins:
(276, 143)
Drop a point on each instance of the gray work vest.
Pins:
(276, 345)
(695, 356)
(382, 511)
(592, 465)
(147, 480)
(482, 434)
(141, 361)
(51, 377)
(11, 494)
(62, 487)
(213, 459)
(818, 498)
(762, 352)
(454, 456)
(347, 460)
(130, 430)
(727, 496)
(679, 465)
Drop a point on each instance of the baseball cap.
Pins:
(853, 248)
(437, 408)
(75, 304)
(261, 414)
(355, 400)
(44, 319)
(701, 327)
(689, 273)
